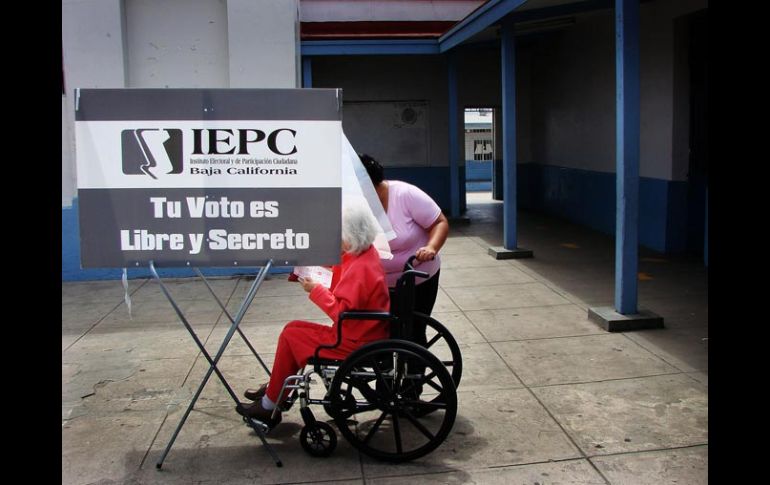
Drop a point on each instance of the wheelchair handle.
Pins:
(409, 269)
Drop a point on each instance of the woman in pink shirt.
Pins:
(421, 230)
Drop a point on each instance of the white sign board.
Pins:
(223, 177)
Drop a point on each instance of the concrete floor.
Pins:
(546, 397)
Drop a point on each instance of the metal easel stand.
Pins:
(260, 429)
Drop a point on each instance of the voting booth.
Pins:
(210, 178)
(228, 177)
(257, 178)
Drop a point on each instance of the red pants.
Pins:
(296, 344)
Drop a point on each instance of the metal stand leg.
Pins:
(261, 430)
(213, 362)
(240, 332)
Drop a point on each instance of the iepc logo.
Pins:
(152, 151)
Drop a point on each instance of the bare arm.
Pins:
(438, 233)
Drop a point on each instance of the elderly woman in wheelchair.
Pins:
(371, 371)
(358, 282)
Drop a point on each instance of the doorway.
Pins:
(479, 130)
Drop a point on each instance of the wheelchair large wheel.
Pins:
(372, 407)
(443, 345)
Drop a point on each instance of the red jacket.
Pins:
(358, 283)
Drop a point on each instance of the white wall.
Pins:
(263, 40)
(68, 180)
(177, 43)
(573, 92)
(93, 46)
(392, 78)
(573, 96)
(174, 44)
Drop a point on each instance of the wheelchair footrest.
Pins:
(264, 426)
(255, 423)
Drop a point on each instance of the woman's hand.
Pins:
(438, 233)
(308, 284)
(425, 253)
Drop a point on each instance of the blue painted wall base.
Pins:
(588, 197)
(478, 175)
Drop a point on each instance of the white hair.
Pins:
(358, 227)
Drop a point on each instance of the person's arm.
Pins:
(340, 299)
(437, 233)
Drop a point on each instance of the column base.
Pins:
(612, 321)
(499, 252)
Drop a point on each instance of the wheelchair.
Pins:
(393, 399)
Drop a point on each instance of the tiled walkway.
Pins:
(546, 395)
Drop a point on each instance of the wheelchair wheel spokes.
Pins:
(391, 424)
(383, 378)
(375, 427)
(354, 393)
(318, 439)
(443, 345)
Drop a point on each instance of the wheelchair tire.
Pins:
(388, 425)
(438, 337)
(318, 439)
(443, 345)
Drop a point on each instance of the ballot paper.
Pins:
(319, 274)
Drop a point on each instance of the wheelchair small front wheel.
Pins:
(318, 439)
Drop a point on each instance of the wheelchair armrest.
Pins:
(350, 315)
(364, 315)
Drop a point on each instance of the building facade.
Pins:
(408, 70)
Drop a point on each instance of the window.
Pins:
(482, 149)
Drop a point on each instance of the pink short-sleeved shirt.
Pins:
(410, 211)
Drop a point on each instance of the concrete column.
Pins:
(510, 247)
(508, 66)
(627, 154)
(263, 43)
(454, 136)
(625, 315)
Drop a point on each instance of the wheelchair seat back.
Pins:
(402, 302)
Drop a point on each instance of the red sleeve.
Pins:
(336, 273)
(346, 295)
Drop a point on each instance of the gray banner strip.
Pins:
(123, 227)
(209, 104)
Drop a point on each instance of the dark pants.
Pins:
(424, 299)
